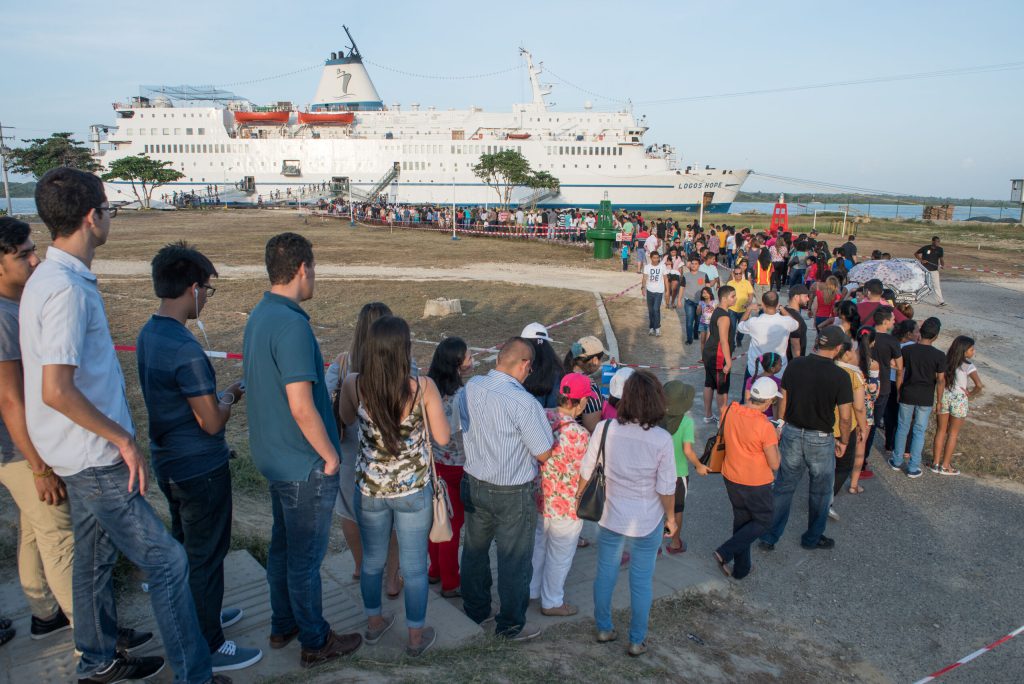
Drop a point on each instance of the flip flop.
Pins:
(722, 565)
(858, 490)
(675, 550)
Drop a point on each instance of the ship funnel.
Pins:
(345, 85)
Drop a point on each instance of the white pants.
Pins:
(553, 551)
(933, 280)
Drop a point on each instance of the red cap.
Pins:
(576, 386)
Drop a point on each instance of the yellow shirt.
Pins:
(857, 382)
(744, 290)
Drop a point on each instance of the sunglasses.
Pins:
(111, 210)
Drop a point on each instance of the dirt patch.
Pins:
(990, 439)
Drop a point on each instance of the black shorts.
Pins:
(716, 379)
(682, 486)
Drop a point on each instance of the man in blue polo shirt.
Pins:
(294, 442)
(186, 433)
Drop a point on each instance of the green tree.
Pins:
(43, 154)
(508, 169)
(145, 175)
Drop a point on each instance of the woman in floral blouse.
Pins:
(451, 363)
(558, 528)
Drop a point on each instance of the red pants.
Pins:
(444, 557)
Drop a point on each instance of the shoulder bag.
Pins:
(714, 448)
(441, 528)
(591, 503)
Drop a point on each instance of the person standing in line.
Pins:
(931, 257)
(744, 291)
(640, 477)
(826, 297)
(799, 297)
(849, 248)
(542, 382)
(395, 410)
(954, 403)
(78, 419)
(889, 354)
(678, 423)
(584, 357)
(710, 270)
(506, 435)
(652, 286)
(924, 376)
(813, 387)
(769, 331)
(694, 282)
(187, 417)
(558, 527)
(763, 270)
(848, 360)
(717, 354)
(294, 443)
(751, 461)
(730, 248)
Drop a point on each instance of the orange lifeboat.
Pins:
(326, 117)
(262, 117)
(518, 136)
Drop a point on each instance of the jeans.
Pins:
(641, 579)
(796, 276)
(298, 541)
(814, 452)
(201, 521)
(735, 316)
(444, 557)
(919, 415)
(692, 319)
(411, 517)
(107, 518)
(654, 309)
(506, 515)
(752, 511)
(553, 550)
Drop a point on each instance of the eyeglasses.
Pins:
(110, 210)
(209, 290)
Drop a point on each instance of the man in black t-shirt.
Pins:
(799, 296)
(813, 388)
(889, 355)
(923, 382)
(931, 257)
(717, 353)
(850, 249)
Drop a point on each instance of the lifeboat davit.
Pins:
(326, 117)
(262, 117)
(518, 136)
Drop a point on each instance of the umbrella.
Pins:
(906, 277)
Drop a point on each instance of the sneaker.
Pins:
(765, 546)
(5, 623)
(335, 646)
(605, 637)
(564, 610)
(914, 473)
(45, 627)
(219, 679)
(689, 341)
(525, 633)
(128, 639)
(125, 669)
(935, 468)
(6, 634)
(892, 464)
(832, 515)
(637, 649)
(427, 640)
(650, 331)
(823, 543)
(230, 657)
(657, 332)
(230, 616)
(372, 636)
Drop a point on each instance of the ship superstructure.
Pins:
(347, 141)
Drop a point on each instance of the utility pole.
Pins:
(3, 163)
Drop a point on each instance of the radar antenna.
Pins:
(353, 51)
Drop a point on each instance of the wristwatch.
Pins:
(227, 398)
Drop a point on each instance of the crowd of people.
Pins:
(376, 441)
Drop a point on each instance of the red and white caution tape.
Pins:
(974, 269)
(968, 658)
(673, 368)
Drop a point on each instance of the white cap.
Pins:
(535, 331)
(618, 382)
(764, 389)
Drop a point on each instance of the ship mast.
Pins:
(539, 91)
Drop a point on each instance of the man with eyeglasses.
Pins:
(506, 436)
(78, 419)
(190, 455)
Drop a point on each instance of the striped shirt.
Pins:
(504, 430)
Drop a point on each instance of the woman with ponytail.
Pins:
(869, 369)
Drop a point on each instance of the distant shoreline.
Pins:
(849, 198)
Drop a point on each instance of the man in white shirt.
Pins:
(652, 244)
(78, 419)
(768, 332)
(652, 285)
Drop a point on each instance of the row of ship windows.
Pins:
(142, 115)
(424, 166)
(197, 149)
(572, 150)
(167, 131)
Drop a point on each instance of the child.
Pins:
(771, 364)
(705, 307)
(678, 401)
(558, 528)
(625, 256)
(615, 385)
(953, 405)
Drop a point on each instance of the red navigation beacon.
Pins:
(780, 217)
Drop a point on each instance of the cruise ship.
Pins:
(348, 143)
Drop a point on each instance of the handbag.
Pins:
(441, 527)
(591, 503)
(714, 448)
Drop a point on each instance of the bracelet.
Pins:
(43, 475)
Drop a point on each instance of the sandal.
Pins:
(582, 543)
(855, 490)
(674, 550)
(943, 470)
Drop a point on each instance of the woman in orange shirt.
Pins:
(751, 460)
(763, 269)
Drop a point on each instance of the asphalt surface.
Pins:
(924, 571)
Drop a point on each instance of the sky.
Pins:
(65, 62)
